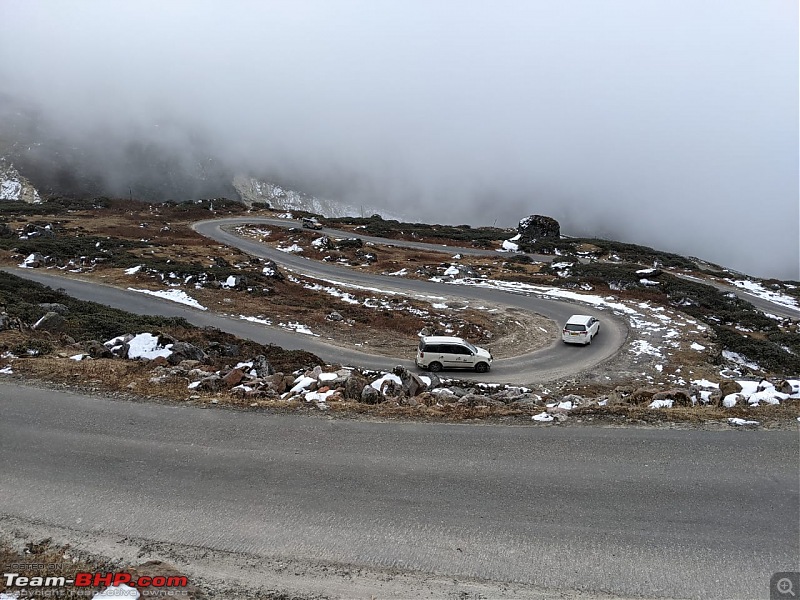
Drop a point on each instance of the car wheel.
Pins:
(481, 367)
(435, 367)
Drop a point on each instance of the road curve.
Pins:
(556, 361)
(655, 513)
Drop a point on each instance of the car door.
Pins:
(450, 356)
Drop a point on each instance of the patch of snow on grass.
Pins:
(145, 345)
(696, 346)
(644, 347)
(255, 320)
(543, 417)
(299, 328)
(729, 401)
(759, 290)
(739, 422)
(661, 404)
(509, 246)
(133, 270)
(294, 248)
(740, 360)
(178, 296)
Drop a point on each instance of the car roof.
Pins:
(583, 319)
(442, 339)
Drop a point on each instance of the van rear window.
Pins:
(574, 327)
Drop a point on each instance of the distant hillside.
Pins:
(15, 187)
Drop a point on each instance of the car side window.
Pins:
(432, 348)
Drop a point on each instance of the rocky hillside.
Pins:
(15, 187)
(278, 197)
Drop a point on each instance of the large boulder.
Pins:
(353, 387)
(54, 307)
(412, 384)
(51, 321)
(97, 349)
(369, 395)
(262, 367)
(185, 351)
(729, 386)
(536, 227)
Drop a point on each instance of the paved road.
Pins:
(546, 364)
(760, 303)
(207, 228)
(630, 512)
(553, 362)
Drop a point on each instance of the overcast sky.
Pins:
(665, 122)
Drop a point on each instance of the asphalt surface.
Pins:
(553, 362)
(628, 512)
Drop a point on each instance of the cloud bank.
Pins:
(668, 123)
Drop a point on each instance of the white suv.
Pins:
(580, 329)
(440, 352)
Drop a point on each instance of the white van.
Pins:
(580, 329)
(441, 352)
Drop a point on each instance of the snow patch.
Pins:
(178, 296)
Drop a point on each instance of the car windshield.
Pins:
(472, 348)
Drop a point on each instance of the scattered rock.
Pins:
(369, 395)
(233, 377)
(55, 307)
(729, 386)
(212, 383)
(51, 321)
(184, 351)
(262, 367)
(642, 396)
(412, 384)
(354, 387)
(346, 243)
(680, 397)
(97, 349)
(158, 361)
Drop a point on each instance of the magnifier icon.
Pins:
(784, 586)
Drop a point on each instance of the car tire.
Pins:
(435, 367)
(481, 367)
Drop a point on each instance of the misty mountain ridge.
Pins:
(139, 169)
(46, 165)
(253, 190)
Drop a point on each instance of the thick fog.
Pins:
(672, 123)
